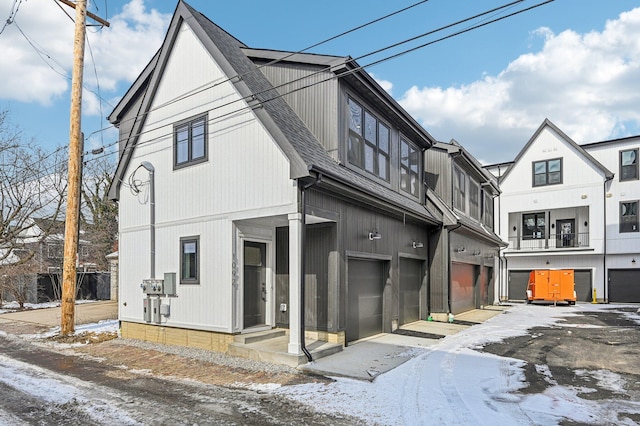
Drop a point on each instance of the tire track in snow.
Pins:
(453, 397)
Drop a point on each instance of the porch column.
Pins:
(295, 265)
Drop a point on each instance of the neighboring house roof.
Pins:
(581, 151)
(454, 147)
(7, 257)
(609, 142)
(304, 152)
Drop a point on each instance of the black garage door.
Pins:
(365, 287)
(624, 285)
(410, 283)
(518, 281)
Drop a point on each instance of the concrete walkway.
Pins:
(86, 313)
(368, 358)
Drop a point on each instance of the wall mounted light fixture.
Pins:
(476, 252)
(633, 260)
(417, 245)
(375, 235)
(461, 249)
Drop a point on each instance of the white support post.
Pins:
(295, 264)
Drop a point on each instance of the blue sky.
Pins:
(576, 62)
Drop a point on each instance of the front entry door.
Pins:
(565, 233)
(255, 283)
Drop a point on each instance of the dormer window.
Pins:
(547, 172)
(409, 168)
(369, 141)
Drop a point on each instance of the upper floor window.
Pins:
(459, 189)
(533, 226)
(474, 199)
(369, 141)
(55, 251)
(629, 216)
(189, 260)
(488, 210)
(190, 142)
(547, 172)
(629, 164)
(409, 168)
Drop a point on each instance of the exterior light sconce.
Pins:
(476, 253)
(490, 257)
(461, 249)
(633, 260)
(417, 245)
(375, 235)
(548, 262)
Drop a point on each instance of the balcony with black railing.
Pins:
(560, 241)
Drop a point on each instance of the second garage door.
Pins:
(365, 288)
(410, 283)
(463, 288)
(624, 285)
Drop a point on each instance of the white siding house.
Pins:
(560, 209)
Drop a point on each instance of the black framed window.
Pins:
(459, 189)
(409, 168)
(474, 199)
(629, 216)
(629, 164)
(190, 260)
(533, 226)
(369, 141)
(547, 172)
(190, 142)
(488, 210)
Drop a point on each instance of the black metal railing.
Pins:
(554, 241)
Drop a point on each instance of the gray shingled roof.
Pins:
(300, 146)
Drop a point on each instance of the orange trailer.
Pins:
(551, 285)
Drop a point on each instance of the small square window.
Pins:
(547, 172)
(190, 260)
(629, 164)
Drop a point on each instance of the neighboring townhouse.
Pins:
(566, 206)
(247, 204)
(463, 191)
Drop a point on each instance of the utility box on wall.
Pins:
(146, 309)
(170, 283)
(155, 310)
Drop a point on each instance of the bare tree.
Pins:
(99, 214)
(32, 185)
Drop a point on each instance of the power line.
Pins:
(12, 14)
(334, 67)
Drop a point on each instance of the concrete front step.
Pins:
(259, 336)
(274, 350)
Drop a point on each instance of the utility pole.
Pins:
(71, 228)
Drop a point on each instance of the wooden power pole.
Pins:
(72, 219)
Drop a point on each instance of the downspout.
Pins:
(604, 257)
(303, 241)
(449, 261)
(152, 216)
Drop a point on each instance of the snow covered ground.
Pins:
(453, 383)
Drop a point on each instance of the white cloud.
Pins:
(584, 83)
(385, 84)
(120, 51)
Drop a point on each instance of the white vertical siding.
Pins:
(582, 186)
(246, 176)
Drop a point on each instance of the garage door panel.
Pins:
(624, 285)
(518, 281)
(410, 283)
(365, 288)
(463, 278)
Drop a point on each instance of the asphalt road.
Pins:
(43, 387)
(594, 352)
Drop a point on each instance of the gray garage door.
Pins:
(518, 281)
(624, 285)
(410, 282)
(365, 286)
(582, 279)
